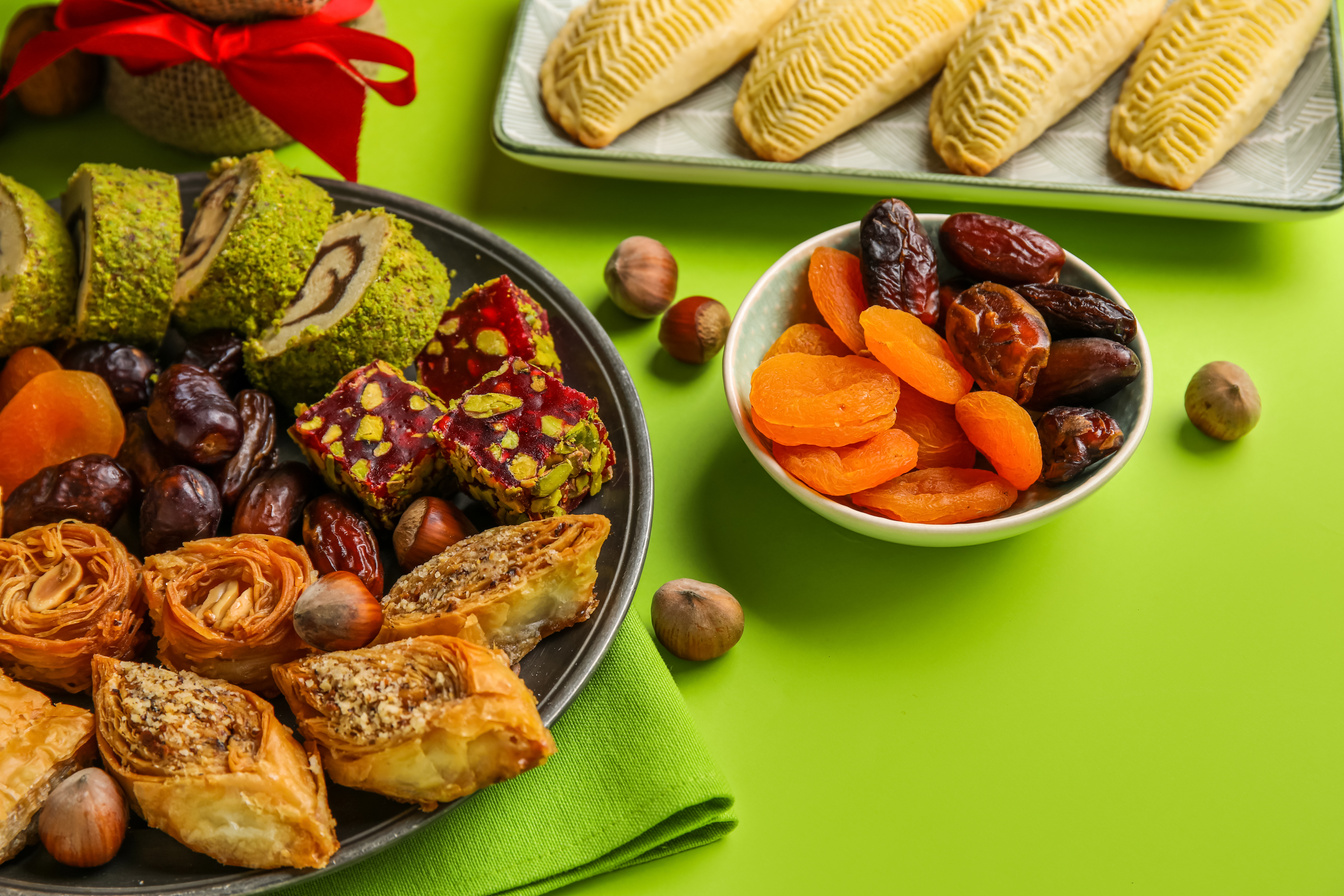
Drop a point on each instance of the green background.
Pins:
(1144, 696)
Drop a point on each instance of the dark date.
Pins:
(257, 451)
(339, 539)
(128, 371)
(899, 267)
(1072, 439)
(219, 353)
(1084, 372)
(94, 488)
(272, 503)
(180, 506)
(1071, 311)
(192, 414)
(997, 249)
(999, 338)
(142, 454)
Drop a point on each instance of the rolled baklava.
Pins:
(421, 721)
(207, 763)
(506, 587)
(68, 591)
(41, 744)
(224, 607)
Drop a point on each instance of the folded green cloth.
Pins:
(631, 781)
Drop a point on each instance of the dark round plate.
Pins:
(152, 862)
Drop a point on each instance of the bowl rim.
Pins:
(923, 533)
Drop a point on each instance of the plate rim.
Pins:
(801, 175)
(639, 466)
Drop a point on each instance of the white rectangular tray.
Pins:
(1291, 166)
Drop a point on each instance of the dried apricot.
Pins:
(816, 390)
(915, 353)
(934, 427)
(843, 471)
(21, 367)
(939, 495)
(836, 279)
(56, 417)
(1004, 433)
(810, 339)
(831, 435)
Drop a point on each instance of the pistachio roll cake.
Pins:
(1023, 65)
(373, 293)
(37, 269)
(831, 65)
(127, 228)
(257, 230)
(616, 62)
(1205, 79)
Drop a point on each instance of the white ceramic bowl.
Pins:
(782, 298)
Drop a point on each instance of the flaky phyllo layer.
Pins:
(506, 588)
(224, 607)
(208, 763)
(68, 591)
(424, 720)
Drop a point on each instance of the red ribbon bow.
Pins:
(297, 72)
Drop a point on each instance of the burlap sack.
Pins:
(246, 10)
(193, 106)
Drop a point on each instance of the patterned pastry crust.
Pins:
(1022, 66)
(224, 607)
(68, 590)
(1205, 78)
(41, 744)
(208, 764)
(421, 721)
(831, 65)
(506, 588)
(615, 62)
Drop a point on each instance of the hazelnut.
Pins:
(641, 276)
(1222, 401)
(696, 620)
(63, 87)
(84, 819)
(427, 527)
(337, 612)
(695, 329)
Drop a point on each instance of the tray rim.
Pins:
(639, 464)
(914, 184)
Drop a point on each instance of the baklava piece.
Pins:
(506, 587)
(421, 721)
(41, 744)
(68, 591)
(208, 764)
(224, 607)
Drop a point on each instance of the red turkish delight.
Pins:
(527, 445)
(487, 326)
(375, 437)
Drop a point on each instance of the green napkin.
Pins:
(631, 781)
